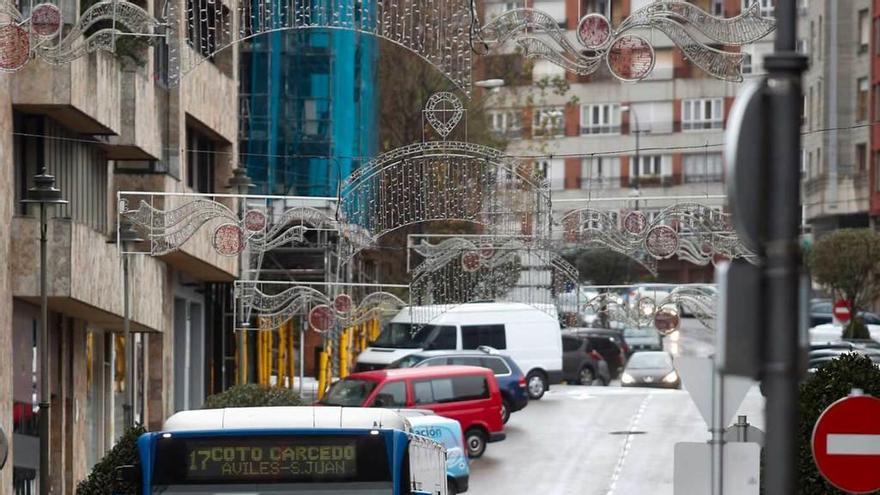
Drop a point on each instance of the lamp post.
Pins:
(241, 184)
(45, 194)
(634, 181)
(127, 237)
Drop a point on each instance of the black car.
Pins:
(610, 344)
(650, 369)
(822, 354)
(821, 314)
(581, 363)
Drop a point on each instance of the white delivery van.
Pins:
(526, 333)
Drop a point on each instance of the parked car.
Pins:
(511, 379)
(610, 344)
(448, 433)
(581, 363)
(821, 313)
(642, 339)
(527, 333)
(467, 394)
(823, 353)
(650, 369)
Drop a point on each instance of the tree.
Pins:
(602, 266)
(253, 395)
(847, 261)
(829, 384)
(101, 480)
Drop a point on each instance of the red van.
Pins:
(467, 394)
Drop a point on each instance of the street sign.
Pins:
(697, 377)
(741, 468)
(846, 444)
(740, 318)
(842, 310)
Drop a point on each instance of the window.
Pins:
(747, 63)
(505, 123)
(432, 362)
(459, 388)
(718, 8)
(877, 36)
(649, 166)
(392, 394)
(767, 8)
(466, 361)
(554, 171)
(802, 47)
(861, 157)
(548, 122)
(703, 113)
(496, 364)
(570, 344)
(602, 118)
(598, 6)
(703, 167)
(473, 336)
(199, 161)
(207, 20)
(864, 31)
(443, 339)
(862, 100)
(600, 172)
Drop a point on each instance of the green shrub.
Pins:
(100, 481)
(252, 395)
(829, 384)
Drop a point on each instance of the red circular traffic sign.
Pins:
(846, 444)
(842, 310)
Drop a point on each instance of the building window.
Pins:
(877, 103)
(602, 118)
(507, 123)
(600, 172)
(703, 167)
(649, 166)
(802, 47)
(718, 8)
(703, 113)
(864, 31)
(548, 122)
(747, 63)
(200, 153)
(554, 171)
(207, 25)
(877, 36)
(862, 100)
(767, 8)
(861, 157)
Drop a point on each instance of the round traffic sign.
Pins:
(846, 444)
(842, 310)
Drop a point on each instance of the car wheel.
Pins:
(536, 385)
(451, 489)
(586, 376)
(505, 411)
(476, 442)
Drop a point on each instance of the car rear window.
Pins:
(473, 336)
(453, 389)
(497, 365)
(570, 344)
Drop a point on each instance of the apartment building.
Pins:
(838, 189)
(599, 138)
(104, 123)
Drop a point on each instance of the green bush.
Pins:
(100, 481)
(829, 384)
(252, 395)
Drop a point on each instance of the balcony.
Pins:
(83, 95)
(85, 278)
(143, 107)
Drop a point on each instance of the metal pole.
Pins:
(128, 397)
(783, 254)
(45, 396)
(717, 431)
(638, 131)
(302, 354)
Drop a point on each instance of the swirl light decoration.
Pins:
(645, 309)
(40, 35)
(630, 56)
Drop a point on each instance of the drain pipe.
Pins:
(832, 104)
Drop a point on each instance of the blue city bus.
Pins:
(300, 450)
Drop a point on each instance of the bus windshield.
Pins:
(256, 464)
(403, 336)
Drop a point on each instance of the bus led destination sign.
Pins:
(216, 462)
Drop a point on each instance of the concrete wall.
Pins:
(6, 208)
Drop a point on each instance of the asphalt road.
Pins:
(600, 440)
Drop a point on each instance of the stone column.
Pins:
(7, 195)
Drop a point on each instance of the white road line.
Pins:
(624, 451)
(852, 444)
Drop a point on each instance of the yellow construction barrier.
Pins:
(343, 353)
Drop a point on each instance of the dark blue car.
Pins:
(511, 379)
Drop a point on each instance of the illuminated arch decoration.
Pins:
(642, 310)
(629, 56)
(445, 181)
(449, 270)
(40, 35)
(435, 30)
(693, 232)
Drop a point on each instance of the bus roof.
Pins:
(261, 418)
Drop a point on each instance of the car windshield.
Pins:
(408, 336)
(644, 360)
(638, 332)
(407, 362)
(349, 393)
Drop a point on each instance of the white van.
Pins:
(529, 335)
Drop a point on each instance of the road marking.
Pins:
(852, 444)
(624, 451)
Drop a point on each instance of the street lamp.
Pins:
(241, 184)
(127, 236)
(45, 194)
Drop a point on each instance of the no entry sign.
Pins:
(846, 444)
(842, 310)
